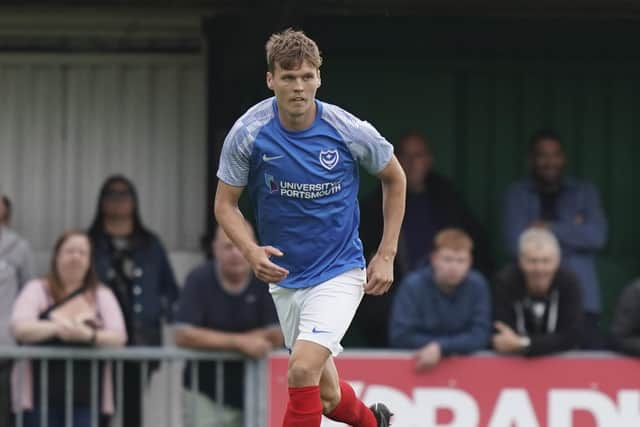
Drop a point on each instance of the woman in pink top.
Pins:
(69, 307)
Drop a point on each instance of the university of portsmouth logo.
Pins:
(329, 158)
(272, 184)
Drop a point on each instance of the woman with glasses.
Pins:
(131, 260)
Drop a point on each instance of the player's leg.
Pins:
(341, 404)
(313, 321)
(305, 362)
(329, 387)
(305, 369)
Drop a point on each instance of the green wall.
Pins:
(477, 87)
(480, 114)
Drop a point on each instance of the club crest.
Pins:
(329, 158)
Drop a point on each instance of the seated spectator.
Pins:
(69, 307)
(443, 309)
(433, 204)
(569, 208)
(130, 259)
(16, 268)
(537, 303)
(223, 307)
(625, 326)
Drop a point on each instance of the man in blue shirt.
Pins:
(433, 204)
(223, 307)
(445, 308)
(570, 209)
(299, 159)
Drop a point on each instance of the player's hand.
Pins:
(253, 345)
(379, 275)
(263, 268)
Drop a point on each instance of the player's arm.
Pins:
(380, 270)
(234, 225)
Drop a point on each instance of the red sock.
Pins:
(304, 408)
(351, 410)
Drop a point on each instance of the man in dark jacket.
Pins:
(625, 326)
(224, 308)
(432, 205)
(538, 305)
(571, 209)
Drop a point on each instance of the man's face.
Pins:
(295, 90)
(548, 161)
(230, 260)
(450, 266)
(415, 159)
(539, 263)
(3, 212)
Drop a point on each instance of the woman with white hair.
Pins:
(538, 304)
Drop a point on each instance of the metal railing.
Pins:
(254, 379)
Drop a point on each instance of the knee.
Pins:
(330, 397)
(301, 374)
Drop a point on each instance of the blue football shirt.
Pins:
(304, 186)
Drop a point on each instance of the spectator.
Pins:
(131, 260)
(444, 309)
(16, 268)
(69, 307)
(537, 303)
(625, 326)
(432, 204)
(223, 307)
(5, 210)
(571, 210)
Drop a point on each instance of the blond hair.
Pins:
(290, 48)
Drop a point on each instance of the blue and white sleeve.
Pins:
(370, 148)
(233, 168)
(365, 143)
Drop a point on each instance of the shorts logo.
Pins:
(272, 184)
(329, 158)
(318, 331)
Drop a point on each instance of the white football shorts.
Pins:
(322, 313)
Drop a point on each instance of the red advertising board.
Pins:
(577, 390)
